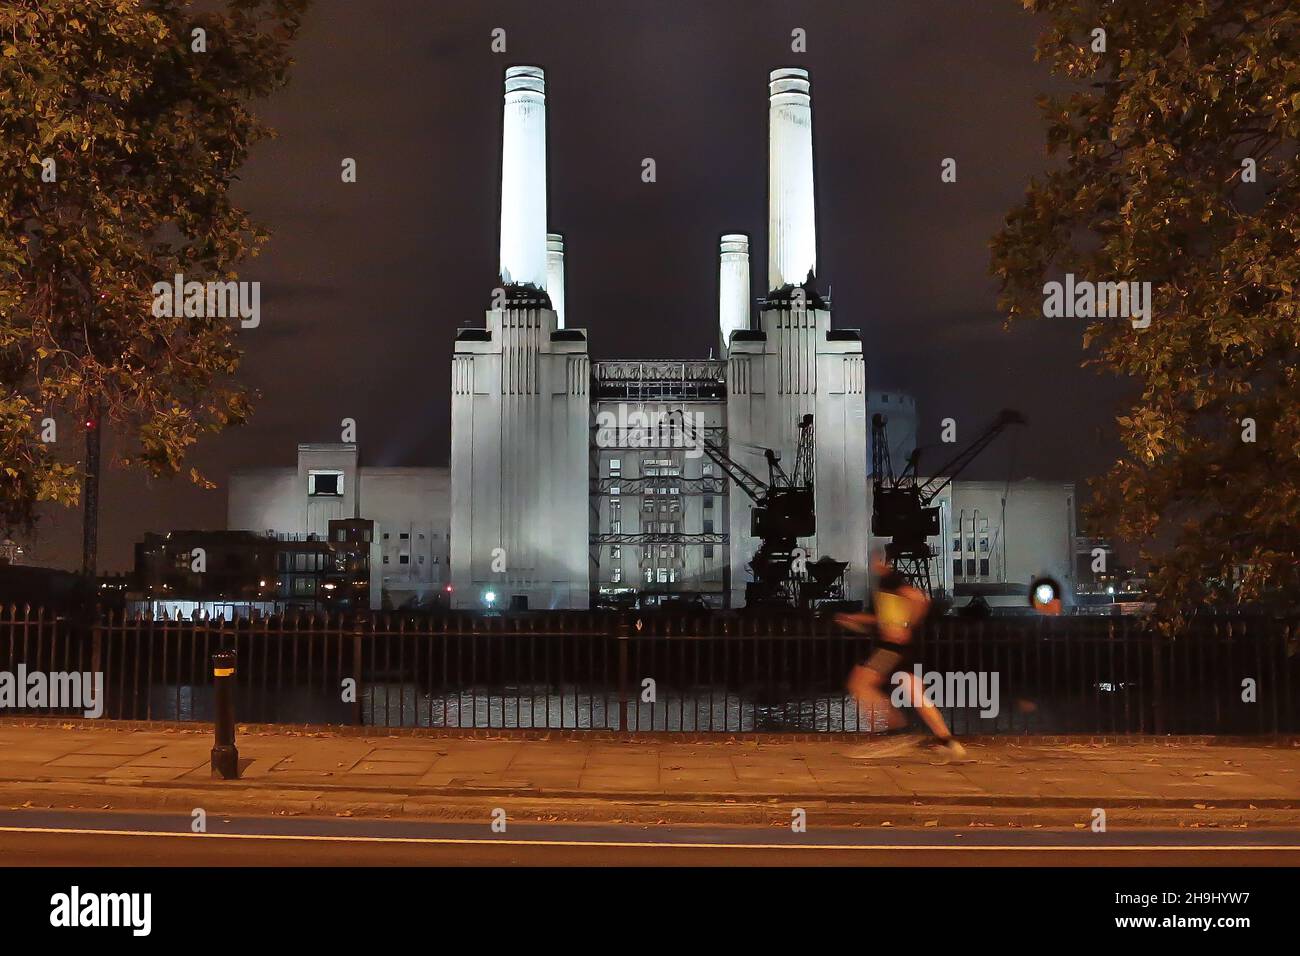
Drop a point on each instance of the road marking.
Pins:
(617, 844)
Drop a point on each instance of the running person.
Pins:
(899, 608)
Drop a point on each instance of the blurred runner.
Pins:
(898, 608)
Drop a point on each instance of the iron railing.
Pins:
(733, 674)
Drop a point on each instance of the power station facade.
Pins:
(575, 481)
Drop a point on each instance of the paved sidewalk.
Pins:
(309, 772)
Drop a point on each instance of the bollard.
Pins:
(225, 756)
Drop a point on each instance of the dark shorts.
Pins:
(889, 659)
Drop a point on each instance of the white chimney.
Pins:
(555, 275)
(523, 178)
(792, 230)
(733, 286)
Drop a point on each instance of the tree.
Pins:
(1178, 166)
(122, 128)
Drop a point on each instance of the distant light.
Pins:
(448, 588)
(1111, 589)
(261, 584)
(330, 587)
(1044, 594)
(489, 597)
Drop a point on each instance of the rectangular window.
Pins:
(708, 552)
(615, 552)
(616, 575)
(956, 567)
(404, 558)
(708, 526)
(663, 575)
(708, 502)
(325, 484)
(404, 536)
(616, 526)
(615, 490)
(615, 466)
(708, 469)
(984, 567)
(970, 567)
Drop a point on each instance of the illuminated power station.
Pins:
(574, 483)
(570, 480)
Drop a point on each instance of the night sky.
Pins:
(364, 285)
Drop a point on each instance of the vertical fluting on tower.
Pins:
(523, 178)
(792, 228)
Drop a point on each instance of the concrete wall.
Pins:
(266, 499)
(410, 502)
(1036, 538)
(795, 370)
(519, 463)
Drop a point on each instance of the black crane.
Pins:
(784, 511)
(902, 507)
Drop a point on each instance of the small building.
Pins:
(328, 493)
(235, 574)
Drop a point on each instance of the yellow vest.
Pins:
(893, 609)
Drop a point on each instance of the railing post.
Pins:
(357, 642)
(622, 633)
(1157, 680)
(96, 650)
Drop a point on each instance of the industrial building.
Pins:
(572, 480)
(575, 482)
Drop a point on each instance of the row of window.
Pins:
(405, 558)
(658, 468)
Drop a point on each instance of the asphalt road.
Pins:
(100, 838)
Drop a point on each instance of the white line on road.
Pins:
(467, 841)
